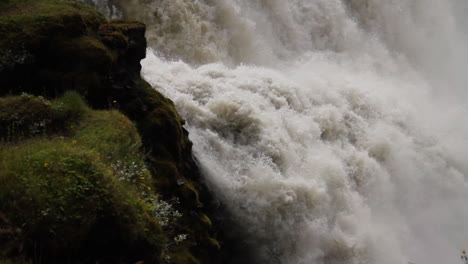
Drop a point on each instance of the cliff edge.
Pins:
(95, 166)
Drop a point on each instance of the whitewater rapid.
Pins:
(335, 131)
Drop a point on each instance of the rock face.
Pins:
(48, 47)
(67, 47)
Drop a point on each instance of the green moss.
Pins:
(157, 120)
(113, 140)
(25, 116)
(26, 24)
(205, 220)
(132, 171)
(211, 243)
(58, 192)
(166, 176)
(32, 8)
(116, 33)
(72, 104)
(87, 190)
(189, 195)
(114, 39)
(87, 185)
(86, 83)
(173, 175)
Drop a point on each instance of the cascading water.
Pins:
(334, 130)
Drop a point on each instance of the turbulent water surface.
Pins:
(336, 131)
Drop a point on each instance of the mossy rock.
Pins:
(112, 38)
(66, 200)
(46, 43)
(166, 173)
(189, 195)
(124, 34)
(82, 194)
(42, 38)
(27, 24)
(88, 54)
(205, 220)
(157, 120)
(85, 188)
(25, 116)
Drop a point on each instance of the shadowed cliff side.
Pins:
(49, 47)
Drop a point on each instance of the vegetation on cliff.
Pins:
(112, 182)
(81, 188)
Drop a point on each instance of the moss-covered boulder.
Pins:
(81, 193)
(50, 46)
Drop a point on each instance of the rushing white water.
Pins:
(336, 131)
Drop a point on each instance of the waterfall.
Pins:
(335, 131)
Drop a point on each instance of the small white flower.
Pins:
(180, 238)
